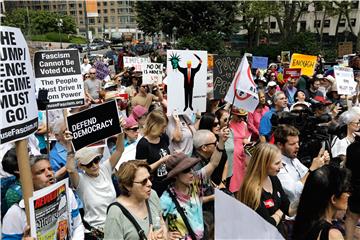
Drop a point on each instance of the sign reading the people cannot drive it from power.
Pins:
(59, 72)
(92, 125)
(18, 112)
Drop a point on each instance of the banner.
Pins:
(152, 73)
(92, 125)
(135, 62)
(292, 73)
(91, 8)
(19, 111)
(307, 63)
(345, 48)
(259, 62)
(344, 80)
(102, 70)
(242, 92)
(224, 71)
(186, 74)
(50, 214)
(59, 72)
(248, 224)
(285, 56)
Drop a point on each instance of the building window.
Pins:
(302, 25)
(123, 19)
(80, 12)
(272, 25)
(71, 5)
(99, 11)
(91, 21)
(318, 6)
(353, 22)
(112, 19)
(81, 21)
(265, 25)
(342, 22)
(354, 4)
(98, 4)
(317, 23)
(104, 3)
(112, 11)
(105, 10)
(106, 20)
(72, 12)
(80, 5)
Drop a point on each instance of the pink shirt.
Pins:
(254, 120)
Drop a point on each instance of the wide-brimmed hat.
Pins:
(109, 84)
(330, 79)
(179, 162)
(86, 155)
(238, 111)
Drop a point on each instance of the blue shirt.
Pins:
(58, 156)
(265, 124)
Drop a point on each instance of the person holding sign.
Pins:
(94, 185)
(14, 222)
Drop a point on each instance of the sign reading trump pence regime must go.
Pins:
(18, 113)
(92, 125)
(59, 72)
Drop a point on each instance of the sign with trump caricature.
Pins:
(186, 74)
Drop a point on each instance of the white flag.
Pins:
(242, 92)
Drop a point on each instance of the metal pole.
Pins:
(87, 29)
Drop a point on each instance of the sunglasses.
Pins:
(87, 76)
(190, 169)
(92, 73)
(215, 124)
(144, 182)
(90, 164)
(133, 129)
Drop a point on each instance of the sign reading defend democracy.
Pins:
(135, 62)
(307, 63)
(17, 88)
(92, 125)
(224, 71)
(152, 73)
(59, 72)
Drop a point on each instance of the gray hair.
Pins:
(34, 159)
(348, 117)
(275, 98)
(56, 126)
(200, 137)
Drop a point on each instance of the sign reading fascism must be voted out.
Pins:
(59, 72)
(92, 125)
(18, 113)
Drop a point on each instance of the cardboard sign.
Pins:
(59, 72)
(50, 212)
(344, 80)
(345, 48)
(259, 62)
(136, 62)
(102, 70)
(187, 73)
(285, 56)
(307, 63)
(292, 73)
(211, 62)
(17, 87)
(152, 73)
(224, 71)
(92, 125)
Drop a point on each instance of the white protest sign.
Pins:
(135, 62)
(344, 80)
(248, 224)
(152, 73)
(186, 78)
(59, 72)
(50, 212)
(19, 111)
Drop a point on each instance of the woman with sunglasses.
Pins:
(94, 184)
(140, 201)
(325, 192)
(238, 126)
(253, 118)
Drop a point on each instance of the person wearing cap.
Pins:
(94, 185)
(325, 83)
(131, 130)
(239, 127)
(92, 86)
(139, 113)
(14, 223)
(260, 83)
(279, 104)
(271, 90)
(186, 187)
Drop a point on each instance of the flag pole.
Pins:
(230, 112)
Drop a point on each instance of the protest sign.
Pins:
(242, 218)
(50, 214)
(186, 74)
(210, 62)
(224, 71)
(307, 63)
(259, 62)
(242, 92)
(292, 73)
(102, 70)
(344, 80)
(152, 73)
(345, 48)
(92, 125)
(59, 72)
(17, 87)
(285, 56)
(135, 62)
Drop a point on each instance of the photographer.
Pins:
(146, 95)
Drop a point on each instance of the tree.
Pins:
(193, 20)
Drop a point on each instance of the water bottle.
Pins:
(161, 171)
(156, 224)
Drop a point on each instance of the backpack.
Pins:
(6, 184)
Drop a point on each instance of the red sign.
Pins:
(292, 72)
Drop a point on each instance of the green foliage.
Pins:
(302, 42)
(209, 41)
(55, 37)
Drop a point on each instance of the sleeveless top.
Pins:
(323, 227)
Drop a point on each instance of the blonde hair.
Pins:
(250, 191)
(154, 119)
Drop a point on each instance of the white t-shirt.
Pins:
(85, 68)
(97, 193)
(339, 146)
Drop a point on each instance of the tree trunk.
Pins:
(322, 29)
(337, 29)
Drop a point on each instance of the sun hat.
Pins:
(239, 111)
(86, 155)
(179, 162)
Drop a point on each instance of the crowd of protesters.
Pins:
(167, 191)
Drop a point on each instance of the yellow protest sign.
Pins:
(307, 63)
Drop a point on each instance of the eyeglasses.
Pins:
(357, 123)
(133, 129)
(215, 124)
(144, 182)
(90, 164)
(188, 170)
(208, 144)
